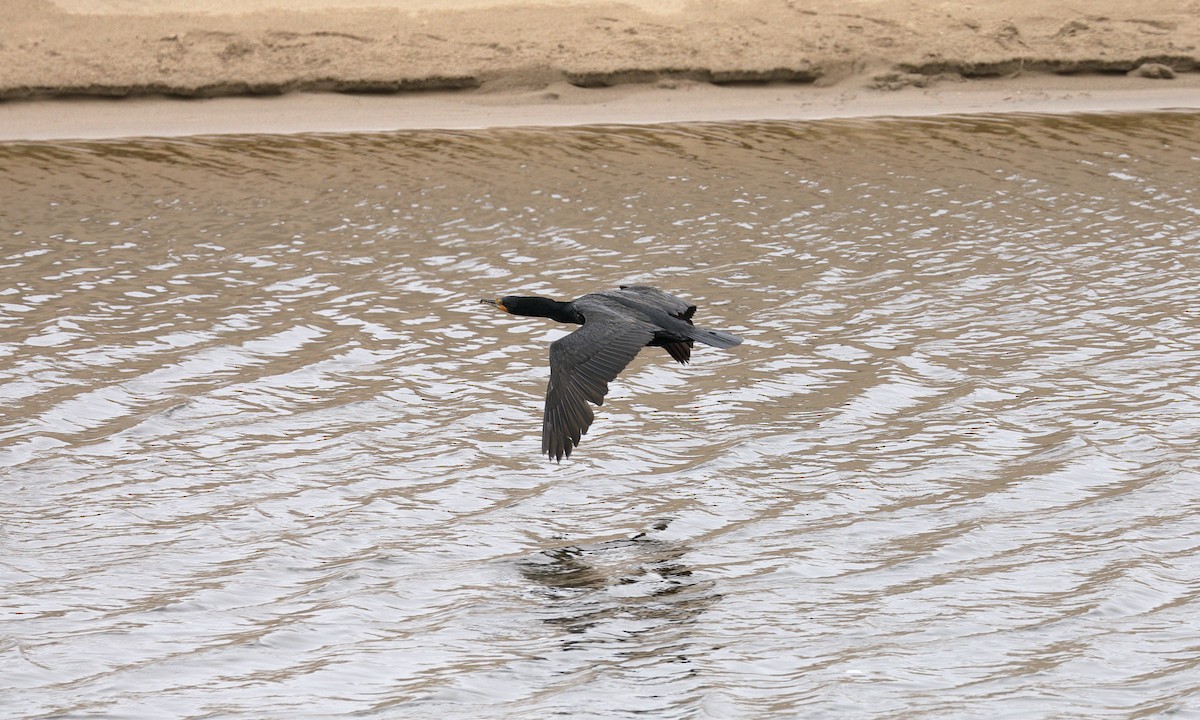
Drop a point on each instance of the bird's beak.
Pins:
(497, 303)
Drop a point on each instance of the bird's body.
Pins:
(616, 325)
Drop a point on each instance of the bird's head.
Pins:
(498, 302)
(524, 305)
(533, 306)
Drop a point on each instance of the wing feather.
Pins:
(675, 306)
(581, 366)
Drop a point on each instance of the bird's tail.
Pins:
(715, 338)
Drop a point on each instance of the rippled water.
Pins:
(263, 455)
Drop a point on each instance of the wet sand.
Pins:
(374, 65)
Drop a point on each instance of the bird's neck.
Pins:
(562, 312)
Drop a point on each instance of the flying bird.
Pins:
(616, 325)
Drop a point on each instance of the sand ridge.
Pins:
(101, 48)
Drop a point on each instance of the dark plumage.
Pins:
(616, 325)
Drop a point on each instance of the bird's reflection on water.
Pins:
(642, 579)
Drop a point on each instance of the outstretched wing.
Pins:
(581, 366)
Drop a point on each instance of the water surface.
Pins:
(263, 455)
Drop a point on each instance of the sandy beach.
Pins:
(270, 66)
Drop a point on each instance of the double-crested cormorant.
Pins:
(616, 325)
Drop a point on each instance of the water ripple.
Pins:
(263, 454)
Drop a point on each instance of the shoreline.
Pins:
(66, 119)
(91, 69)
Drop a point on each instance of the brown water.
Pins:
(263, 455)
